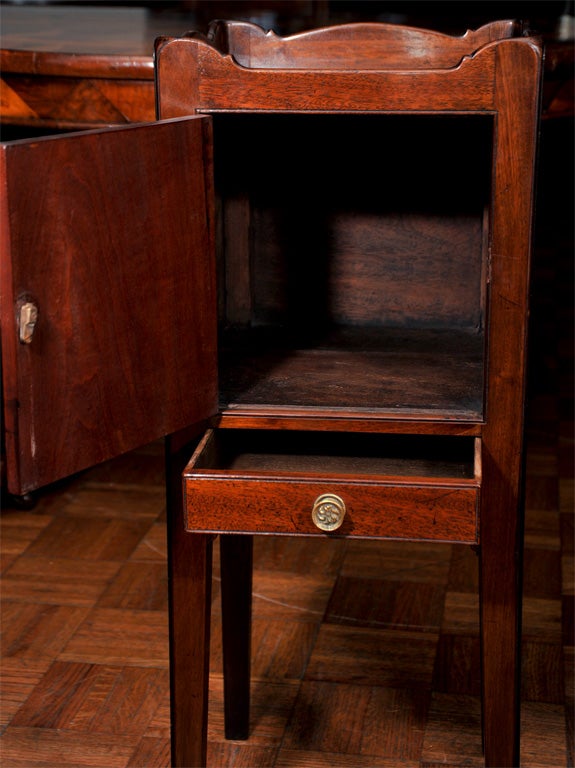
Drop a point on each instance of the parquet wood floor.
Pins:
(365, 655)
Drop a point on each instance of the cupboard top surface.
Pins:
(98, 41)
(194, 75)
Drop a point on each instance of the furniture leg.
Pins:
(190, 580)
(236, 569)
(500, 610)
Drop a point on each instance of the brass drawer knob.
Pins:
(328, 512)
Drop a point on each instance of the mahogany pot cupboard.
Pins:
(311, 274)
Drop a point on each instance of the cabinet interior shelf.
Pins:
(416, 371)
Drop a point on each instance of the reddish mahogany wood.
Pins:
(146, 365)
(332, 421)
(432, 373)
(190, 587)
(240, 69)
(333, 47)
(410, 495)
(465, 87)
(516, 90)
(119, 264)
(377, 511)
(87, 67)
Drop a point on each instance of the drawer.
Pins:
(334, 484)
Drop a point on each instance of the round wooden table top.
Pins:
(84, 40)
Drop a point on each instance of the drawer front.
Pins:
(373, 509)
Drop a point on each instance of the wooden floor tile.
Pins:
(567, 493)
(17, 531)
(567, 527)
(453, 731)
(373, 657)
(542, 672)
(138, 586)
(542, 572)
(463, 570)
(319, 558)
(541, 619)
(17, 681)
(543, 736)
(397, 561)
(271, 708)
(542, 529)
(129, 504)
(47, 748)
(60, 581)
(151, 753)
(461, 613)
(37, 633)
(290, 595)
(457, 667)
(569, 668)
(383, 722)
(542, 491)
(153, 546)
(392, 604)
(94, 698)
(568, 575)
(568, 620)
(94, 538)
(240, 755)
(159, 726)
(120, 636)
(323, 720)
(395, 723)
(280, 648)
(289, 758)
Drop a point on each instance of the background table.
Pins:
(79, 67)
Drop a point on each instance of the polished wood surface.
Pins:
(376, 644)
(499, 79)
(251, 46)
(70, 67)
(104, 266)
(317, 265)
(271, 481)
(77, 67)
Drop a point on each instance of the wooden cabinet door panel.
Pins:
(108, 235)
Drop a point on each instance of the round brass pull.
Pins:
(328, 512)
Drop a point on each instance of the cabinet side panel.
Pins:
(111, 238)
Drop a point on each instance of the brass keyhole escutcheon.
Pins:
(328, 512)
(27, 319)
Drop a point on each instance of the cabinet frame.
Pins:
(500, 78)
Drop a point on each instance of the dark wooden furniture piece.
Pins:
(312, 275)
(79, 67)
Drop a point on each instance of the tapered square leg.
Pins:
(236, 553)
(500, 614)
(190, 588)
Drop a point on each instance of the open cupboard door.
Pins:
(107, 294)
